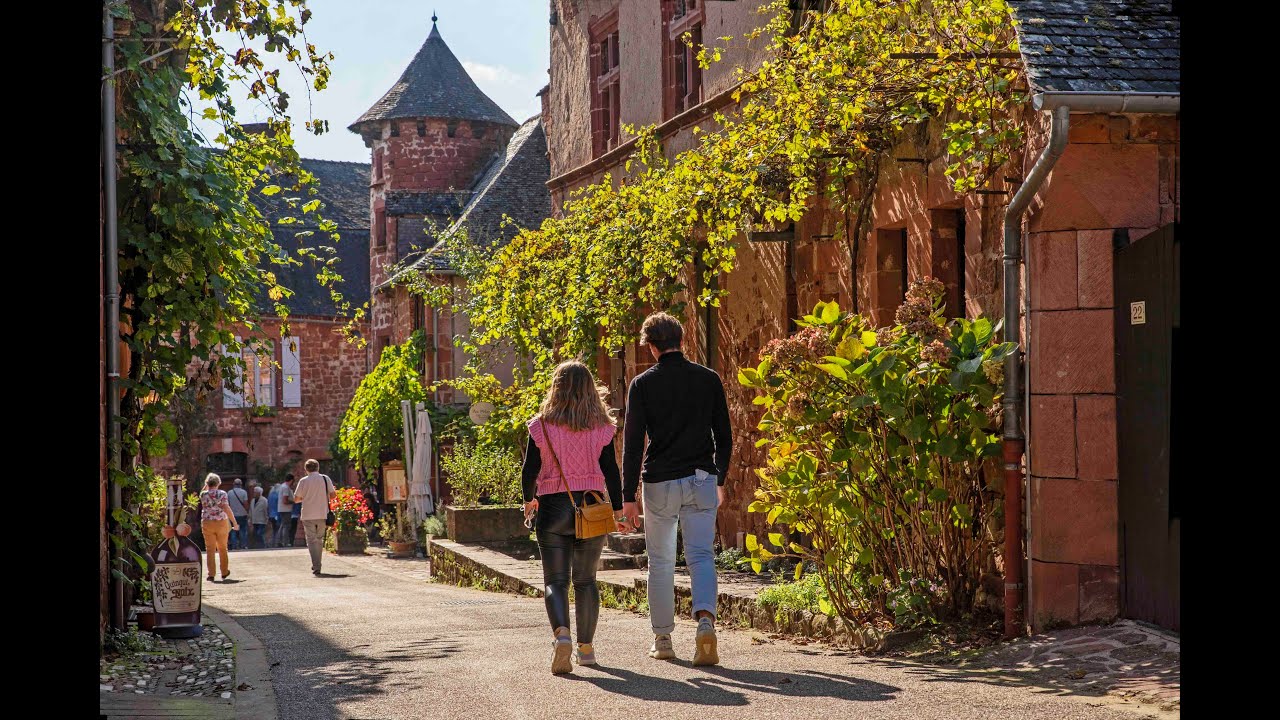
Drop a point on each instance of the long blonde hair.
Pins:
(575, 400)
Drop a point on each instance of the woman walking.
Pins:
(216, 522)
(570, 449)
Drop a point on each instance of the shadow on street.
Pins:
(722, 685)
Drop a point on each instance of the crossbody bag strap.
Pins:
(547, 436)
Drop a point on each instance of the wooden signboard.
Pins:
(395, 487)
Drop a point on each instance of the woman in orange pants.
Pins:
(216, 522)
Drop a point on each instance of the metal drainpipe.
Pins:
(1013, 402)
(435, 393)
(112, 284)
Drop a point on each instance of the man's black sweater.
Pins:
(681, 406)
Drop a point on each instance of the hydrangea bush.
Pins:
(878, 443)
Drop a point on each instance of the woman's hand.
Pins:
(530, 508)
(622, 521)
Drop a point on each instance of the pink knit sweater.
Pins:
(579, 454)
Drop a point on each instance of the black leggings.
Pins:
(564, 554)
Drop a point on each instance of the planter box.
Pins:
(351, 543)
(485, 524)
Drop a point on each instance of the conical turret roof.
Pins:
(435, 85)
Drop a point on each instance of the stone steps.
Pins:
(627, 543)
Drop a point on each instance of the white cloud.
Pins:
(492, 74)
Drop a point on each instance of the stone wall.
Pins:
(331, 370)
(1118, 173)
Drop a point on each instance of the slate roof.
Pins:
(513, 185)
(434, 85)
(343, 190)
(1099, 45)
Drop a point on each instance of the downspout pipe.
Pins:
(1014, 439)
(112, 285)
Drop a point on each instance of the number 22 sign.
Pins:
(1138, 313)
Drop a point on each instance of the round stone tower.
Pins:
(432, 135)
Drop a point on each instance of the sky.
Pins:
(503, 44)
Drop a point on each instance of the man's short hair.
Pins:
(312, 465)
(288, 476)
(238, 481)
(661, 331)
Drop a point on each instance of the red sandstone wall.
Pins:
(1118, 172)
(332, 369)
(640, 38)
(434, 161)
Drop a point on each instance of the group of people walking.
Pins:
(679, 407)
(225, 515)
(676, 439)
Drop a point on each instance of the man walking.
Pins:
(273, 512)
(314, 492)
(238, 499)
(680, 406)
(284, 502)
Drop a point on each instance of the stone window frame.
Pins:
(681, 75)
(606, 82)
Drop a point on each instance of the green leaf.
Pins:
(772, 517)
(799, 569)
(982, 331)
(971, 365)
(830, 313)
(776, 539)
(825, 606)
(753, 545)
(835, 370)
(270, 190)
(938, 494)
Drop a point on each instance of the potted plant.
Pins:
(397, 529)
(351, 514)
(486, 494)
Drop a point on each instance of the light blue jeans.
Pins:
(691, 503)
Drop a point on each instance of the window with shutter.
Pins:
(264, 391)
(291, 362)
(233, 397)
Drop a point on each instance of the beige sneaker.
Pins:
(562, 650)
(662, 649)
(704, 649)
(586, 654)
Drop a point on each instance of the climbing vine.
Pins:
(816, 118)
(196, 257)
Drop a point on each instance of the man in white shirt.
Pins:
(314, 492)
(284, 506)
(238, 499)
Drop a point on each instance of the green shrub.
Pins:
(482, 475)
(881, 448)
(432, 525)
(807, 593)
(729, 559)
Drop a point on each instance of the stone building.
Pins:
(291, 400)
(1102, 525)
(445, 156)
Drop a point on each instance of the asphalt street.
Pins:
(372, 639)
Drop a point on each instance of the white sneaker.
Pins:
(586, 654)
(662, 649)
(704, 649)
(561, 652)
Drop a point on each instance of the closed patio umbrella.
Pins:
(420, 496)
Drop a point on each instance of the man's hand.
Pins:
(632, 511)
(719, 495)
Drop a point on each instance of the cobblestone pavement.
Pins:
(198, 667)
(1126, 659)
(371, 638)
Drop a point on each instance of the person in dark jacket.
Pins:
(680, 407)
